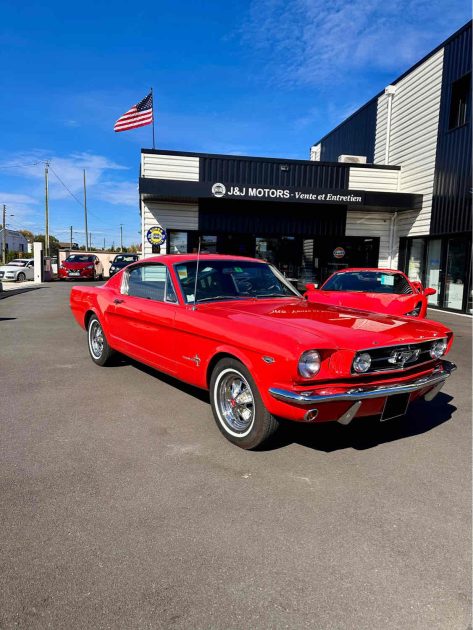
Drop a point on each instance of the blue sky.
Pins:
(254, 77)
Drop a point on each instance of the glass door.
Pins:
(456, 273)
(433, 271)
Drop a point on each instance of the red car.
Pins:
(81, 266)
(236, 327)
(378, 290)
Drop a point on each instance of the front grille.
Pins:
(394, 358)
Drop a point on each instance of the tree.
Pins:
(53, 243)
(28, 235)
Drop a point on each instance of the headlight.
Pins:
(362, 363)
(415, 312)
(112, 268)
(437, 349)
(309, 363)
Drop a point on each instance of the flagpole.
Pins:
(152, 101)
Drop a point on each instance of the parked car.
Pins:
(378, 290)
(236, 327)
(81, 266)
(17, 270)
(120, 261)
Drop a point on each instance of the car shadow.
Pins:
(6, 319)
(361, 434)
(365, 433)
(11, 292)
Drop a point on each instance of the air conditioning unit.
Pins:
(353, 159)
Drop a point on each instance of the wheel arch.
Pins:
(88, 314)
(226, 353)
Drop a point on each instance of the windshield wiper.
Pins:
(221, 297)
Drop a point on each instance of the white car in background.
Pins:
(17, 270)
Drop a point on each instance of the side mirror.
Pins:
(96, 262)
(311, 286)
(430, 291)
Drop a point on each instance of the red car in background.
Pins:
(378, 290)
(87, 266)
(236, 327)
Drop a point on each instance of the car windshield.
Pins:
(79, 258)
(231, 280)
(17, 263)
(368, 282)
(128, 258)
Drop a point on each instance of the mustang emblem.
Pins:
(401, 357)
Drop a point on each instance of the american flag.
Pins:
(139, 115)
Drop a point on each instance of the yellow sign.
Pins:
(156, 235)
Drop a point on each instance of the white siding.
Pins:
(371, 224)
(315, 152)
(180, 167)
(170, 216)
(413, 139)
(373, 179)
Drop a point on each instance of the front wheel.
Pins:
(100, 351)
(21, 277)
(237, 406)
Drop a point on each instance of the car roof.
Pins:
(177, 258)
(374, 269)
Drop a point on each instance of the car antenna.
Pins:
(196, 276)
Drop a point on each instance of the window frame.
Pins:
(124, 286)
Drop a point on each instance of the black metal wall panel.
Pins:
(269, 219)
(273, 173)
(451, 203)
(355, 136)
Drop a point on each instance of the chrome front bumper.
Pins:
(363, 392)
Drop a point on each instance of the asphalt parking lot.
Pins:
(122, 506)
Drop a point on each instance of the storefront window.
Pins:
(432, 271)
(415, 259)
(455, 273)
(178, 243)
(208, 244)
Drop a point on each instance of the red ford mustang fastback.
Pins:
(236, 327)
(378, 290)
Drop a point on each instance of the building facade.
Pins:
(309, 218)
(14, 241)
(422, 123)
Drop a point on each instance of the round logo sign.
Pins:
(338, 252)
(218, 190)
(156, 235)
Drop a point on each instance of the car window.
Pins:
(368, 282)
(231, 280)
(81, 258)
(128, 258)
(17, 263)
(151, 282)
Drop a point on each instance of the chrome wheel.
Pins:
(96, 339)
(235, 403)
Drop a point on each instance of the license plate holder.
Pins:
(395, 406)
(74, 273)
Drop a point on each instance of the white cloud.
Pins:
(317, 42)
(119, 193)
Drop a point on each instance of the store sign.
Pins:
(339, 252)
(156, 235)
(253, 192)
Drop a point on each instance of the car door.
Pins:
(29, 270)
(142, 315)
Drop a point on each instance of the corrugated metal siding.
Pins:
(356, 136)
(451, 205)
(373, 179)
(270, 219)
(373, 224)
(414, 127)
(269, 174)
(181, 167)
(170, 216)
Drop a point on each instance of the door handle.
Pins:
(118, 301)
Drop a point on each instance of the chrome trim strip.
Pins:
(367, 391)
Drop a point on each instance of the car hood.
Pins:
(335, 327)
(376, 302)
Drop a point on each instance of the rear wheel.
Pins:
(99, 349)
(237, 406)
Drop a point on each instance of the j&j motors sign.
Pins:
(286, 194)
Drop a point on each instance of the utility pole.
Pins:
(46, 210)
(90, 240)
(121, 237)
(85, 213)
(4, 235)
(71, 236)
(104, 243)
